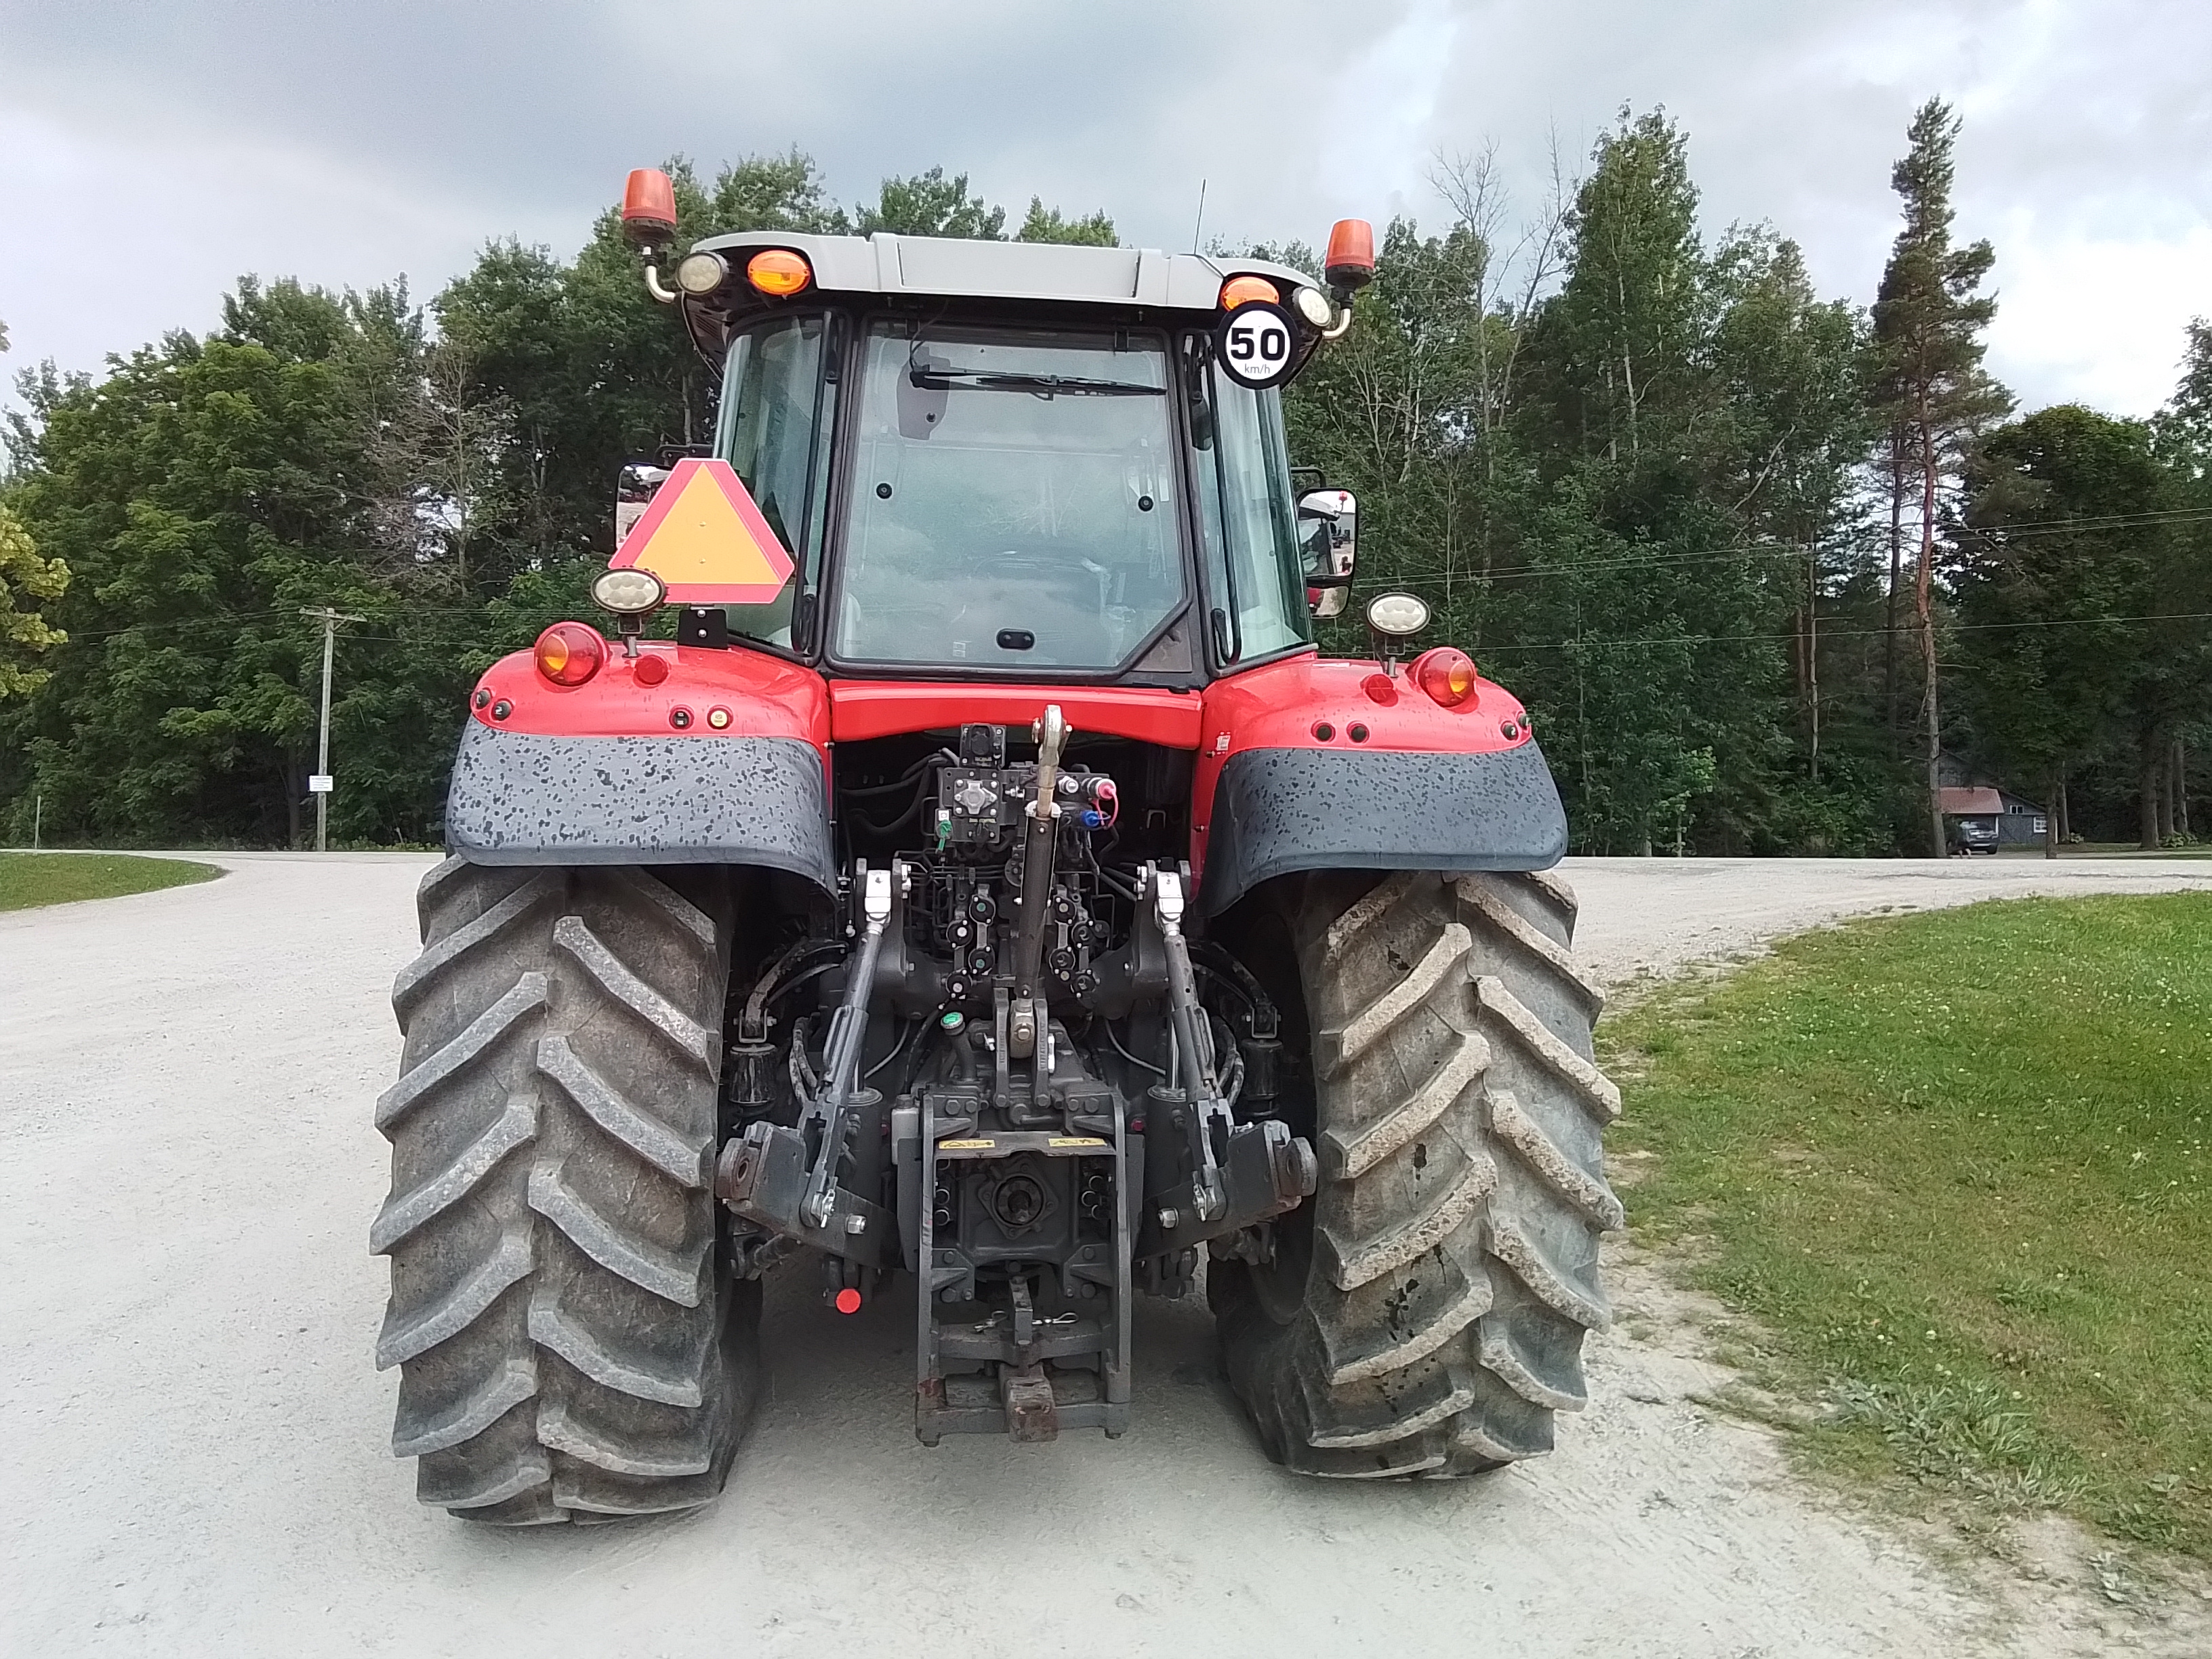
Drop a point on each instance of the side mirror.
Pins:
(1329, 521)
(634, 492)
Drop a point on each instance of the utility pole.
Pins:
(319, 785)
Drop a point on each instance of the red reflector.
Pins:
(569, 653)
(651, 670)
(848, 1301)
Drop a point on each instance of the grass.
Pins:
(1955, 1166)
(32, 878)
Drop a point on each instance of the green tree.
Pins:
(1620, 344)
(2182, 435)
(1617, 493)
(2059, 560)
(1793, 432)
(202, 495)
(1930, 385)
(27, 581)
(1044, 224)
(930, 204)
(1389, 413)
(1664, 697)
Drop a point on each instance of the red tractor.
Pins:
(989, 896)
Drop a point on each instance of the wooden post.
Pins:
(330, 619)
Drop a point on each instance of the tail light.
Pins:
(1446, 675)
(569, 653)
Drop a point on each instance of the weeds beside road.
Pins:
(1954, 1166)
(34, 878)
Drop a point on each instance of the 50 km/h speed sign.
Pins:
(1254, 344)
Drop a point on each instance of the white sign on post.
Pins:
(319, 783)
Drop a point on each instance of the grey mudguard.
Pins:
(520, 798)
(1276, 811)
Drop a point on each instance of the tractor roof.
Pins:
(1053, 271)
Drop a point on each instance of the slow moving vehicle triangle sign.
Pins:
(705, 540)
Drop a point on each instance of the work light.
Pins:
(628, 592)
(1397, 615)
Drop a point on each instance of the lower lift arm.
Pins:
(1240, 1173)
(768, 1176)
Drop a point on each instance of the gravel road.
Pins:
(198, 1457)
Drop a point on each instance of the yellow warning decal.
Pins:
(965, 1145)
(1075, 1140)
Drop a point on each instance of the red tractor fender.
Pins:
(637, 764)
(1313, 762)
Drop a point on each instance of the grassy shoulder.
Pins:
(34, 878)
(1955, 1166)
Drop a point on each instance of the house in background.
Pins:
(1978, 818)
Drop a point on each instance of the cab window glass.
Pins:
(1241, 463)
(1012, 499)
(776, 416)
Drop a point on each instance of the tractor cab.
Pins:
(1020, 462)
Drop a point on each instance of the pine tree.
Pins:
(1928, 316)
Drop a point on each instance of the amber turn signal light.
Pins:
(1242, 290)
(778, 272)
(569, 653)
(1447, 675)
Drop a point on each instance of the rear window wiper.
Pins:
(946, 377)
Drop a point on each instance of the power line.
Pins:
(1828, 633)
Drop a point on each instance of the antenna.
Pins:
(1200, 222)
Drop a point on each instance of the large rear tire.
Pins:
(1425, 1312)
(572, 1345)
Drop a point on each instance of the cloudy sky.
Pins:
(151, 150)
